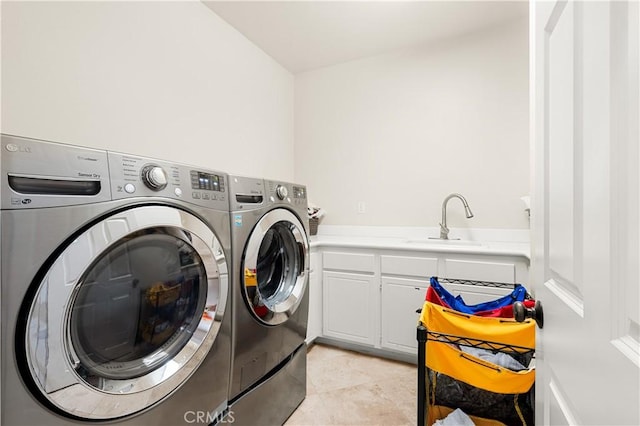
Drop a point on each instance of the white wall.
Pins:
(402, 130)
(162, 79)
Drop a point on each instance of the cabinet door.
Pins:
(409, 266)
(350, 306)
(480, 270)
(314, 324)
(400, 300)
(474, 294)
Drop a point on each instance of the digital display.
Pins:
(207, 181)
(299, 192)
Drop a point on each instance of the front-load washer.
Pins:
(270, 268)
(114, 288)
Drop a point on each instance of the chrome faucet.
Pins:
(444, 231)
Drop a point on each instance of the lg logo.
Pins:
(16, 148)
(18, 201)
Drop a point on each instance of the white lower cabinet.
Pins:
(350, 310)
(480, 269)
(483, 268)
(370, 296)
(400, 299)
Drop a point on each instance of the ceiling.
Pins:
(304, 35)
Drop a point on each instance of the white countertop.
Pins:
(505, 243)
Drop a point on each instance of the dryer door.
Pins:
(276, 266)
(126, 312)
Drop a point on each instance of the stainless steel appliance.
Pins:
(114, 288)
(270, 268)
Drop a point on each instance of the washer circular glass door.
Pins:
(275, 266)
(127, 312)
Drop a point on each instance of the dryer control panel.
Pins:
(140, 176)
(286, 193)
(247, 193)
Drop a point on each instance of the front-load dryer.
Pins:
(114, 288)
(270, 272)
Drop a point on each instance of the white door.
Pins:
(585, 258)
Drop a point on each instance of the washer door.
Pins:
(127, 312)
(275, 266)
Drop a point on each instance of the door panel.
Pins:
(348, 305)
(400, 299)
(560, 49)
(625, 89)
(585, 223)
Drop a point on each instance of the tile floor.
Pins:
(349, 388)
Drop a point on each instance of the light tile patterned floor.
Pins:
(349, 388)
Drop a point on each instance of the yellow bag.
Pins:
(459, 372)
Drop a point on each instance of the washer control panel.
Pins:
(140, 176)
(36, 173)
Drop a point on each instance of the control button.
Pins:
(214, 197)
(129, 188)
(272, 199)
(196, 195)
(205, 196)
(178, 192)
(288, 200)
(154, 177)
(282, 192)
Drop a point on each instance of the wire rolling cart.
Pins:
(457, 353)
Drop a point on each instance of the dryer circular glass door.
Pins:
(126, 312)
(275, 267)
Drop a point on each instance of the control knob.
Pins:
(154, 177)
(281, 192)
